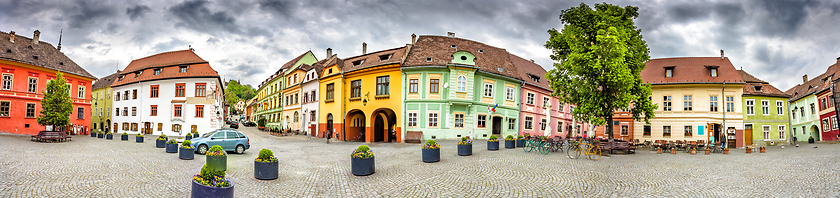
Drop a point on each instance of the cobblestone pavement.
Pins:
(92, 167)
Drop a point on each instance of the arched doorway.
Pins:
(379, 128)
(108, 124)
(384, 125)
(497, 126)
(355, 124)
(814, 132)
(329, 124)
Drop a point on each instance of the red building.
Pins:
(26, 64)
(828, 117)
(622, 126)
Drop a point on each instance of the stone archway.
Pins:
(814, 132)
(384, 122)
(355, 124)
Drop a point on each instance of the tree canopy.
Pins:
(235, 91)
(601, 54)
(56, 105)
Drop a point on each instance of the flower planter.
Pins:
(218, 163)
(160, 143)
(810, 141)
(110, 137)
(693, 152)
(708, 151)
(124, 138)
(726, 152)
(171, 148)
(199, 190)
(195, 135)
(362, 166)
(510, 144)
(266, 170)
(100, 135)
(188, 137)
(464, 150)
(520, 143)
(749, 150)
(658, 150)
(431, 155)
(186, 154)
(139, 139)
(762, 150)
(674, 151)
(493, 146)
(92, 134)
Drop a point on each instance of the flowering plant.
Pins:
(519, 137)
(362, 152)
(465, 141)
(186, 144)
(139, 135)
(211, 178)
(509, 138)
(266, 156)
(109, 133)
(162, 137)
(216, 151)
(493, 138)
(124, 134)
(527, 136)
(99, 132)
(171, 141)
(431, 144)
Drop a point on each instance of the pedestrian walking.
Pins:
(329, 135)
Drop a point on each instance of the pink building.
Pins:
(536, 93)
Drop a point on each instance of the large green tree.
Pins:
(56, 105)
(235, 91)
(600, 53)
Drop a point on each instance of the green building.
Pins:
(457, 87)
(270, 93)
(101, 109)
(765, 115)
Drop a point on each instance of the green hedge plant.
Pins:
(266, 156)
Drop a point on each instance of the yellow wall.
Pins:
(335, 106)
(290, 90)
(392, 102)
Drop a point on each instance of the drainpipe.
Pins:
(790, 126)
(343, 109)
(722, 91)
(834, 101)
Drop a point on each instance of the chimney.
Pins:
(364, 48)
(12, 36)
(414, 38)
(721, 54)
(532, 60)
(35, 37)
(329, 53)
(450, 34)
(805, 79)
(838, 59)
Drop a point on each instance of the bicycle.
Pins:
(591, 150)
(537, 143)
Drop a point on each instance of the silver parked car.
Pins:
(228, 139)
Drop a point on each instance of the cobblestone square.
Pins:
(93, 167)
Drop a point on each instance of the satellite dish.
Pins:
(445, 85)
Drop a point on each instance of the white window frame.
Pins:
(543, 124)
(730, 104)
(750, 103)
(780, 107)
(833, 120)
(434, 117)
(546, 101)
(782, 132)
(511, 94)
(462, 83)
(529, 98)
(81, 92)
(765, 107)
(766, 132)
(688, 102)
(511, 123)
(825, 124)
(528, 125)
(30, 88)
(459, 120)
(479, 121)
(560, 126)
(488, 90)
(667, 104)
(7, 83)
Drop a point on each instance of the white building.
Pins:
(169, 93)
(309, 88)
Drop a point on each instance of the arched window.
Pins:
(462, 83)
(297, 116)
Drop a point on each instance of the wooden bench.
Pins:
(49, 136)
(617, 145)
(413, 137)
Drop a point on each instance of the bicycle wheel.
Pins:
(573, 153)
(595, 154)
(544, 148)
(528, 146)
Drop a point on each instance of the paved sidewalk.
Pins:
(92, 167)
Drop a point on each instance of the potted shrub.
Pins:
(139, 137)
(673, 151)
(109, 136)
(761, 149)
(195, 134)
(520, 141)
(811, 140)
(749, 149)
(510, 142)
(171, 146)
(211, 183)
(431, 151)
(188, 136)
(217, 158)
(161, 141)
(124, 136)
(659, 150)
(693, 151)
(100, 134)
(186, 152)
(362, 162)
(725, 151)
(265, 166)
(708, 151)
(465, 147)
(493, 143)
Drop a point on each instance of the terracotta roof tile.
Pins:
(487, 58)
(170, 63)
(814, 85)
(527, 68)
(105, 81)
(690, 70)
(42, 54)
(373, 59)
(759, 87)
(182, 57)
(749, 78)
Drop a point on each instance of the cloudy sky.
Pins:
(778, 41)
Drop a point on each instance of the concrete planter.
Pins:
(186, 154)
(510, 144)
(464, 150)
(762, 150)
(431, 155)
(266, 170)
(92, 134)
(100, 135)
(218, 163)
(171, 148)
(138, 139)
(188, 137)
(110, 137)
(160, 143)
(199, 190)
(520, 143)
(362, 166)
(492, 146)
(124, 137)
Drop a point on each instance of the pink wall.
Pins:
(535, 110)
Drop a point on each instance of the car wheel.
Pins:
(240, 149)
(202, 149)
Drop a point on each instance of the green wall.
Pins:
(772, 119)
(810, 121)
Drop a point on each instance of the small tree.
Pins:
(56, 105)
(261, 122)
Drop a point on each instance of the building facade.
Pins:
(170, 93)
(310, 100)
(270, 92)
(806, 113)
(101, 113)
(765, 113)
(697, 97)
(331, 103)
(26, 65)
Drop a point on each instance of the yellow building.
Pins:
(331, 100)
(101, 109)
(270, 92)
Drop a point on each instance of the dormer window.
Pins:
(713, 72)
(757, 88)
(182, 69)
(385, 57)
(534, 78)
(428, 59)
(480, 51)
(137, 74)
(121, 77)
(358, 62)
(157, 72)
(669, 72)
(453, 46)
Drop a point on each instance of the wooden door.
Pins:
(748, 135)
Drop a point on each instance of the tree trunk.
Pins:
(609, 127)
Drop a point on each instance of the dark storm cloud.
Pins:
(195, 15)
(283, 8)
(137, 11)
(171, 45)
(784, 16)
(89, 13)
